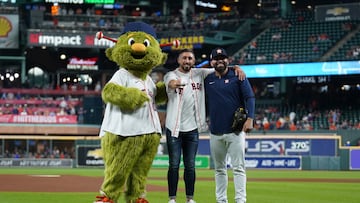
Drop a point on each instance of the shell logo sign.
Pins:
(5, 26)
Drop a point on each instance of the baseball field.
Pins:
(32, 185)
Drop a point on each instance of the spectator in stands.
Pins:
(283, 56)
(79, 11)
(315, 48)
(23, 111)
(253, 44)
(293, 127)
(355, 50)
(10, 96)
(97, 86)
(266, 123)
(276, 36)
(312, 38)
(15, 110)
(55, 22)
(215, 22)
(244, 56)
(260, 58)
(276, 56)
(323, 37)
(63, 103)
(61, 112)
(300, 18)
(64, 86)
(347, 26)
(280, 123)
(101, 23)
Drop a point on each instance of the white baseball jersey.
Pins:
(186, 106)
(141, 121)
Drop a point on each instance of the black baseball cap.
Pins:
(218, 53)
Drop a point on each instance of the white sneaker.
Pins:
(191, 201)
(172, 201)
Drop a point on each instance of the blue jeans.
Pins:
(187, 143)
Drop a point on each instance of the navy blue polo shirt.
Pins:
(223, 96)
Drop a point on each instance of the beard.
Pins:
(220, 68)
(186, 68)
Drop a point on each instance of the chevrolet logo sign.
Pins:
(337, 11)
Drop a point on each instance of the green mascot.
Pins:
(131, 130)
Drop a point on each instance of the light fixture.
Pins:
(62, 56)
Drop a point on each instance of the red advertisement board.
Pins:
(66, 119)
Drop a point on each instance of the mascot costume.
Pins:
(131, 131)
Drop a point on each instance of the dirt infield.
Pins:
(55, 183)
(72, 183)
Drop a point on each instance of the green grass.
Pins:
(257, 192)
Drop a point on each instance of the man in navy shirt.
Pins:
(225, 93)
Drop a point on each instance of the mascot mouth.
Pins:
(137, 56)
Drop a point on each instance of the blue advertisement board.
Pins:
(286, 162)
(354, 159)
(303, 147)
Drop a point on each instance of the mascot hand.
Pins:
(161, 96)
(126, 98)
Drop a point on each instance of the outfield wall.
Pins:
(285, 150)
(275, 150)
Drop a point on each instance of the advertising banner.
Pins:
(162, 161)
(325, 145)
(286, 162)
(354, 159)
(69, 40)
(91, 155)
(66, 119)
(337, 12)
(9, 31)
(293, 146)
(85, 40)
(49, 163)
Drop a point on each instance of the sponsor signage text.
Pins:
(58, 119)
(304, 147)
(286, 162)
(337, 12)
(56, 163)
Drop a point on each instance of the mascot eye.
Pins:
(131, 41)
(146, 42)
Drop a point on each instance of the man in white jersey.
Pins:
(186, 117)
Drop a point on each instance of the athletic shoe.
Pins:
(190, 201)
(172, 201)
(103, 199)
(141, 200)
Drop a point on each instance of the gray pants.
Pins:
(231, 145)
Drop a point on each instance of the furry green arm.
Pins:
(161, 96)
(126, 98)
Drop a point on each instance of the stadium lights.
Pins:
(10, 76)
